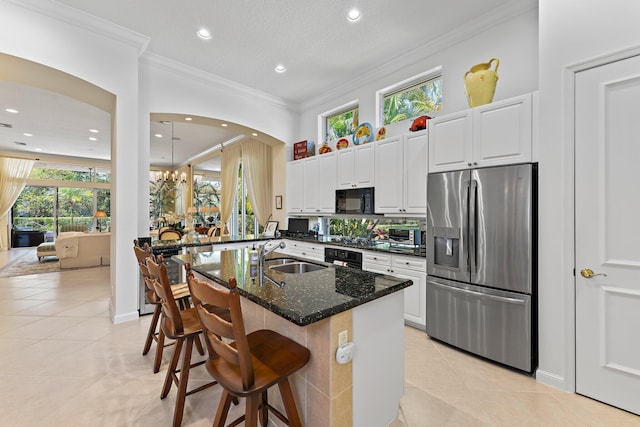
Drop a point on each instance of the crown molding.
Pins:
(192, 73)
(482, 23)
(62, 12)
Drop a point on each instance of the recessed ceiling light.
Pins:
(158, 135)
(280, 68)
(353, 15)
(92, 138)
(204, 34)
(11, 110)
(254, 134)
(188, 119)
(94, 130)
(224, 125)
(27, 134)
(38, 149)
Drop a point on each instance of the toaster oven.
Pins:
(404, 236)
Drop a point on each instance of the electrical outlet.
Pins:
(343, 337)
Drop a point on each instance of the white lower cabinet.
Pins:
(404, 267)
(238, 245)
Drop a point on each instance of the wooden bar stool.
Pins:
(182, 326)
(180, 294)
(249, 365)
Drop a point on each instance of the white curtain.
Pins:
(256, 162)
(13, 177)
(229, 180)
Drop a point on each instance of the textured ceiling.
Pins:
(313, 39)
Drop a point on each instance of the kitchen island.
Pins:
(313, 308)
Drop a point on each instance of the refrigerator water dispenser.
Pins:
(446, 250)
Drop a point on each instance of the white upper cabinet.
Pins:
(416, 150)
(326, 183)
(450, 141)
(401, 174)
(493, 134)
(311, 184)
(355, 166)
(295, 186)
(389, 176)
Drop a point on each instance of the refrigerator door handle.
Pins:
(480, 294)
(473, 195)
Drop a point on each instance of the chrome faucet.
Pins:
(262, 253)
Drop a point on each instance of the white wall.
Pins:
(170, 87)
(108, 57)
(570, 32)
(33, 32)
(514, 42)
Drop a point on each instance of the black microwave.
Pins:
(355, 201)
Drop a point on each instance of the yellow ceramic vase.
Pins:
(480, 83)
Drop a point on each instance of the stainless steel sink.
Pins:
(297, 267)
(279, 261)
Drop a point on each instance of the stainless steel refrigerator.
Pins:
(481, 262)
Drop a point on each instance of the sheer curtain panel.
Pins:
(229, 180)
(256, 160)
(13, 177)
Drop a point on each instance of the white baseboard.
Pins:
(550, 379)
(121, 318)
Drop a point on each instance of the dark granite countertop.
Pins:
(381, 246)
(202, 241)
(301, 298)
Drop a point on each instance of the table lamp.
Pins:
(98, 215)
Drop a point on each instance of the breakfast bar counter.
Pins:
(300, 298)
(318, 309)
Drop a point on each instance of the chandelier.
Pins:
(172, 175)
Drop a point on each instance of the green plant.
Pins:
(162, 198)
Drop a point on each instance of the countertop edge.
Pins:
(315, 317)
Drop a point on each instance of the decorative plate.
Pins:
(324, 148)
(364, 134)
(342, 143)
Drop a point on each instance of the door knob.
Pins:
(588, 273)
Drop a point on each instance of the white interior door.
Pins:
(608, 233)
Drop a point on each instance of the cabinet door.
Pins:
(364, 165)
(376, 262)
(346, 173)
(502, 132)
(415, 313)
(295, 186)
(310, 251)
(326, 183)
(310, 182)
(415, 173)
(450, 142)
(389, 176)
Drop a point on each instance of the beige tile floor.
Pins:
(63, 363)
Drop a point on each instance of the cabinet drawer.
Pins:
(306, 250)
(410, 263)
(375, 258)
